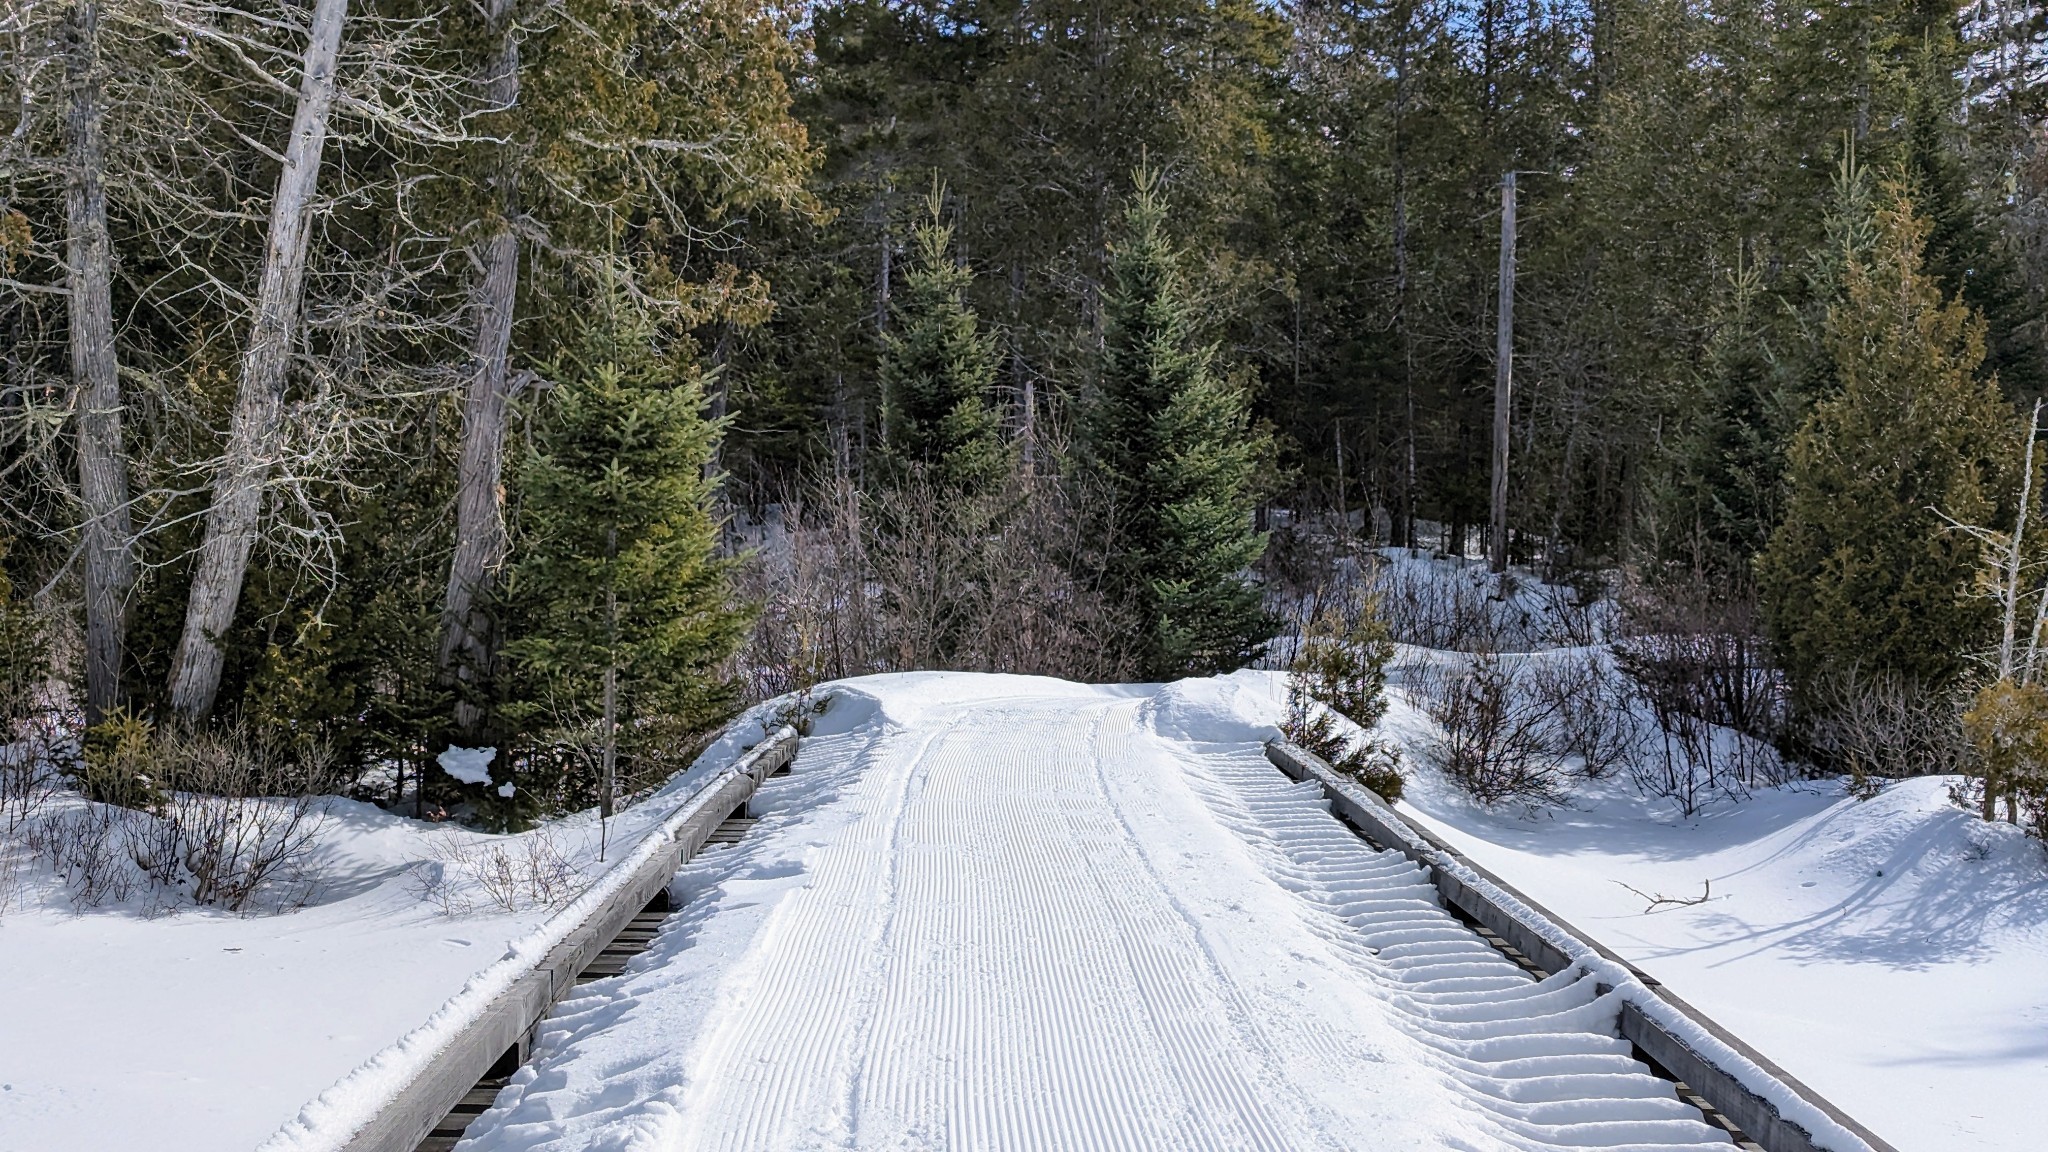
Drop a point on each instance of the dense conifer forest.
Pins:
(554, 376)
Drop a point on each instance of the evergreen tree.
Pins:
(1863, 573)
(1726, 492)
(23, 659)
(1169, 439)
(619, 603)
(937, 370)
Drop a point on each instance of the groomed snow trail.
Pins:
(1008, 913)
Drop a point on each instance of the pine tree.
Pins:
(23, 658)
(1727, 488)
(937, 371)
(1863, 574)
(1168, 437)
(618, 602)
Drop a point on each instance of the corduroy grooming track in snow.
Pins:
(1007, 913)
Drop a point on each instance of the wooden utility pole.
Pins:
(1504, 374)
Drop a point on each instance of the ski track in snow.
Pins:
(1030, 921)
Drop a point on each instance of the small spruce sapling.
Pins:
(619, 607)
(1340, 670)
(1167, 436)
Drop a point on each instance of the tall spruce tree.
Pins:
(937, 371)
(1863, 574)
(1169, 438)
(1727, 479)
(619, 602)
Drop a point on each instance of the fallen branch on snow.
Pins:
(1661, 901)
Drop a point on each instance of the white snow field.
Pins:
(182, 1029)
(1891, 953)
(992, 912)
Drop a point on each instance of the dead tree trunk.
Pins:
(467, 639)
(256, 430)
(1405, 531)
(1504, 374)
(102, 462)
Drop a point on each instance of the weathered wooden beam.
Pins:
(512, 1020)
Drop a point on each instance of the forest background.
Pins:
(550, 375)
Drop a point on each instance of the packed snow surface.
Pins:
(1003, 913)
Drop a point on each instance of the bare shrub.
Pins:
(1044, 609)
(1877, 727)
(245, 813)
(1578, 611)
(1467, 609)
(853, 581)
(1595, 714)
(1306, 552)
(1497, 737)
(512, 874)
(28, 779)
(1696, 654)
(92, 849)
(925, 549)
(1699, 646)
(1447, 611)
(1690, 771)
(227, 820)
(808, 571)
(32, 730)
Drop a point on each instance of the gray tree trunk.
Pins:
(1405, 531)
(256, 430)
(1504, 374)
(467, 638)
(102, 462)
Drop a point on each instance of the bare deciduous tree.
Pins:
(480, 540)
(102, 457)
(255, 434)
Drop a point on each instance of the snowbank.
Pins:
(199, 1030)
(1891, 953)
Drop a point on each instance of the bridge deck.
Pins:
(993, 913)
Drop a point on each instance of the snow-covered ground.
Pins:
(194, 1030)
(1001, 912)
(1891, 953)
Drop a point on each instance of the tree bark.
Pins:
(256, 430)
(1405, 532)
(1504, 374)
(108, 534)
(467, 647)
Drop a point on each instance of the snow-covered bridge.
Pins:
(1005, 913)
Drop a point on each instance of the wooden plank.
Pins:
(510, 1022)
(1758, 1118)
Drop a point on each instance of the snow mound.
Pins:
(469, 765)
(1244, 707)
